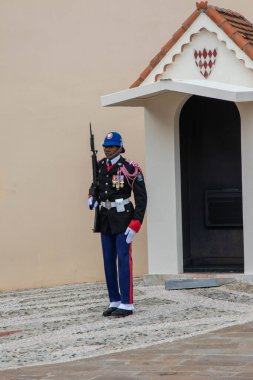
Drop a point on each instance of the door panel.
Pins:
(210, 148)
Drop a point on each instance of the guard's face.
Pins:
(112, 151)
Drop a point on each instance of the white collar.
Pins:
(114, 160)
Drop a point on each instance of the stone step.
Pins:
(192, 283)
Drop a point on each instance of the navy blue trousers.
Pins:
(117, 256)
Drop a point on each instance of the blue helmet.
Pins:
(114, 139)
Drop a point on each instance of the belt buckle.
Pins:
(107, 204)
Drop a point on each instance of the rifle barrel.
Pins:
(92, 145)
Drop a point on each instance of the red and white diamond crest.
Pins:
(205, 60)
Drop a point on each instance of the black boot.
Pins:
(119, 313)
(108, 312)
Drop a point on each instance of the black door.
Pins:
(210, 149)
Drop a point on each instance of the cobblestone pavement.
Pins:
(64, 323)
(224, 354)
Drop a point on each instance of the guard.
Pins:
(119, 221)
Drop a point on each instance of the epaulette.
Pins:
(129, 175)
(132, 163)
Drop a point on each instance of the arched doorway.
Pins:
(211, 184)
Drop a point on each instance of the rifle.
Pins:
(94, 189)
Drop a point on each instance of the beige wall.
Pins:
(57, 57)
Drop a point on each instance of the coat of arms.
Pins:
(205, 60)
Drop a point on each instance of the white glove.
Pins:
(90, 201)
(130, 235)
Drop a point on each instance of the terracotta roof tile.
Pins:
(215, 16)
(228, 29)
(167, 46)
(146, 72)
(157, 58)
(236, 26)
(187, 23)
(178, 34)
(202, 5)
(137, 83)
(164, 50)
(239, 40)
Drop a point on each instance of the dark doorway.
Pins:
(210, 149)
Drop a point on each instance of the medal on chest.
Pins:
(118, 181)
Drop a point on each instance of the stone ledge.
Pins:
(159, 279)
(193, 283)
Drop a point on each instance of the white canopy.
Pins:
(135, 97)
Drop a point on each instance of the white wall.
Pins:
(165, 253)
(246, 113)
(227, 69)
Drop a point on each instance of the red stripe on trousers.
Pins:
(131, 274)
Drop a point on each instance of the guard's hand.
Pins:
(92, 190)
(90, 203)
(130, 235)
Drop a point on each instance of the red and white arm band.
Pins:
(135, 225)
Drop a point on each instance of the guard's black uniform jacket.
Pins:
(110, 220)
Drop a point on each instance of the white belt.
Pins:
(109, 204)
